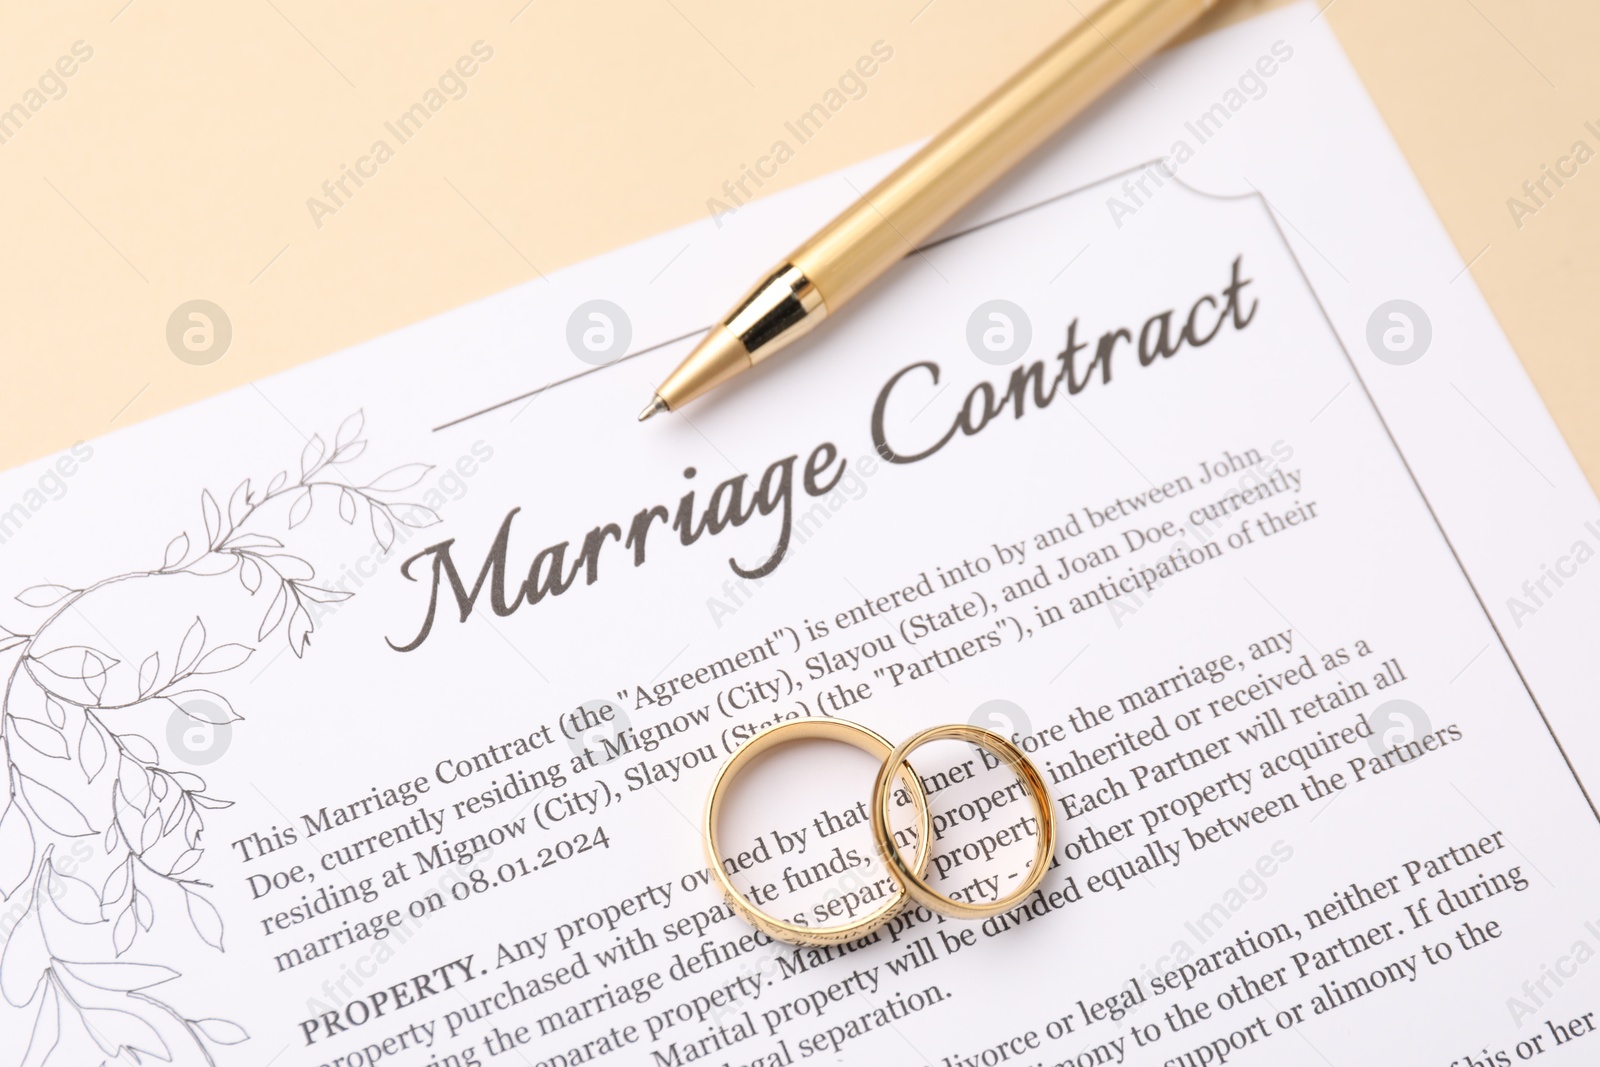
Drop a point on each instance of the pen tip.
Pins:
(655, 407)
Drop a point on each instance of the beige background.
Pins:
(178, 162)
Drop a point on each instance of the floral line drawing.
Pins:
(81, 794)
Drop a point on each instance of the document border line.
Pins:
(1327, 319)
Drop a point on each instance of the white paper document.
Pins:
(365, 716)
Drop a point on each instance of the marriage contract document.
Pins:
(364, 717)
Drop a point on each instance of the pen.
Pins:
(894, 216)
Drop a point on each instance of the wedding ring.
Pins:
(1044, 838)
(869, 742)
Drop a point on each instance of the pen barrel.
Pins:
(903, 210)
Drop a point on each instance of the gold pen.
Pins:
(902, 210)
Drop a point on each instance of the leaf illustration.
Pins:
(207, 923)
(122, 934)
(94, 682)
(91, 753)
(311, 456)
(222, 1031)
(117, 882)
(193, 642)
(323, 596)
(149, 834)
(75, 898)
(40, 714)
(349, 429)
(253, 540)
(54, 810)
(114, 1029)
(274, 615)
(122, 977)
(24, 962)
(77, 662)
(73, 688)
(203, 705)
(239, 503)
(417, 516)
(46, 1030)
(149, 671)
(72, 667)
(300, 508)
(139, 748)
(403, 477)
(45, 740)
(133, 785)
(177, 548)
(188, 781)
(147, 806)
(223, 658)
(213, 517)
(249, 574)
(382, 527)
(42, 596)
(172, 819)
(16, 848)
(299, 630)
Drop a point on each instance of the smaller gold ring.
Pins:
(868, 741)
(1044, 840)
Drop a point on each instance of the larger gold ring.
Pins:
(868, 741)
(1044, 844)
